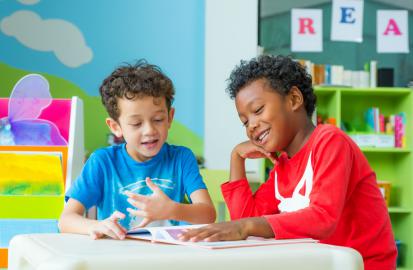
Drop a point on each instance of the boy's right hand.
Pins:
(109, 227)
(241, 152)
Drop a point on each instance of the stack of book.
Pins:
(382, 131)
(336, 75)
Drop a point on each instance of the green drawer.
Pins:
(49, 207)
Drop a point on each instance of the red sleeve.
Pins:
(332, 160)
(242, 203)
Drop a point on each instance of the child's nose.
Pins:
(253, 124)
(148, 129)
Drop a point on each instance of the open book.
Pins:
(170, 235)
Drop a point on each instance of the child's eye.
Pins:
(245, 124)
(158, 120)
(257, 111)
(136, 124)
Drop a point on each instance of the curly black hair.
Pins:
(132, 81)
(282, 73)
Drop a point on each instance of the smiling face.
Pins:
(144, 123)
(266, 115)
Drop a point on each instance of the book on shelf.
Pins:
(336, 75)
(380, 131)
(373, 73)
(170, 235)
(399, 130)
(319, 74)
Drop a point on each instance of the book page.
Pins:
(171, 234)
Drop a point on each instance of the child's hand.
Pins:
(249, 150)
(224, 231)
(157, 206)
(109, 227)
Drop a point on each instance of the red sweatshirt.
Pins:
(346, 207)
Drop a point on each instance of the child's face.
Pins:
(266, 115)
(144, 123)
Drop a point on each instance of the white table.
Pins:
(79, 252)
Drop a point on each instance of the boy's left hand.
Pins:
(225, 231)
(156, 206)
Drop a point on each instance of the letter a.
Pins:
(392, 26)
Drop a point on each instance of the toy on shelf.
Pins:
(41, 153)
(322, 119)
(385, 187)
(22, 125)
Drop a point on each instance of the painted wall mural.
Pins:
(48, 36)
(75, 44)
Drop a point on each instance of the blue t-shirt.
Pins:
(110, 171)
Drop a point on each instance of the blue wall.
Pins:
(167, 33)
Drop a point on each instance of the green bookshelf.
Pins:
(390, 164)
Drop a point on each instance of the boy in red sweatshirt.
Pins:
(321, 185)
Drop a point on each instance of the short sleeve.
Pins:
(192, 179)
(87, 188)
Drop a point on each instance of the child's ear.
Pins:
(171, 116)
(296, 98)
(114, 127)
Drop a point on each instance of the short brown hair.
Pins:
(135, 81)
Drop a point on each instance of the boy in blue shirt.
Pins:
(144, 180)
